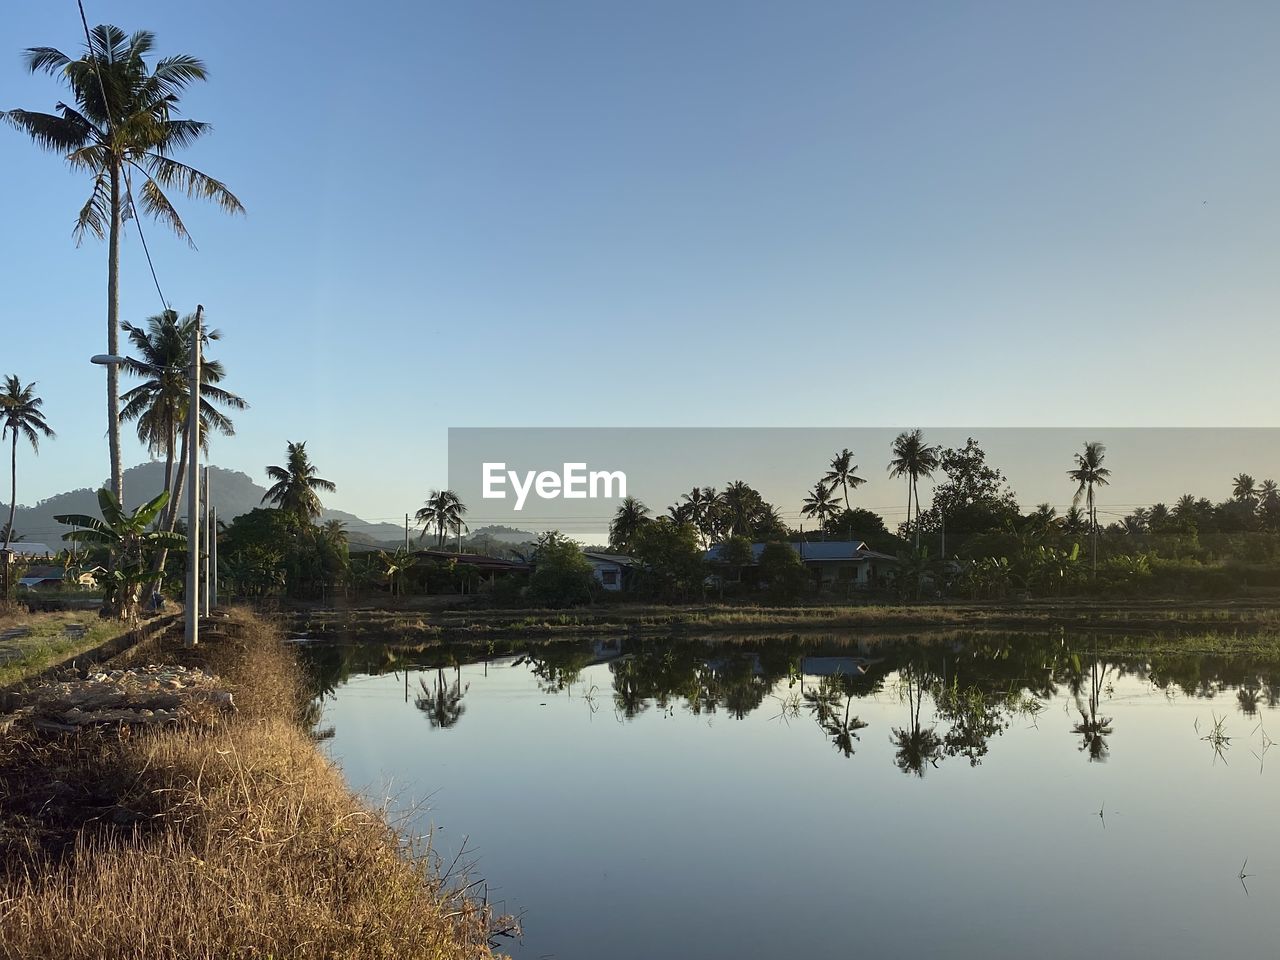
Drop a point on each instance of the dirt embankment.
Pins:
(215, 832)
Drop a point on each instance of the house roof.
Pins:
(618, 558)
(23, 549)
(473, 559)
(825, 551)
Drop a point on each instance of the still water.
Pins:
(981, 796)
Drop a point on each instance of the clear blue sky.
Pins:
(661, 213)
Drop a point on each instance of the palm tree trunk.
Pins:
(13, 502)
(916, 492)
(908, 503)
(170, 514)
(113, 338)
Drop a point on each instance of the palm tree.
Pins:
(124, 121)
(821, 504)
(1268, 490)
(160, 403)
(913, 459)
(296, 484)
(443, 510)
(741, 505)
(701, 507)
(21, 415)
(630, 517)
(1243, 488)
(1088, 474)
(843, 473)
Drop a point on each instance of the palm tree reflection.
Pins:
(918, 748)
(824, 704)
(1092, 728)
(442, 703)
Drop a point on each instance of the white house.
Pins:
(611, 570)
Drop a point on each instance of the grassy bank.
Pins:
(408, 625)
(233, 839)
(52, 638)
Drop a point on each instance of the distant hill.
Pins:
(233, 493)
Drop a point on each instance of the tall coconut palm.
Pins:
(913, 459)
(627, 521)
(443, 510)
(1088, 474)
(21, 416)
(1244, 488)
(160, 403)
(296, 484)
(123, 120)
(821, 504)
(741, 505)
(843, 474)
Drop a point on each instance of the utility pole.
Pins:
(192, 635)
(406, 532)
(207, 552)
(213, 554)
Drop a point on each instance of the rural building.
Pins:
(611, 570)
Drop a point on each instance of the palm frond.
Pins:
(169, 172)
(58, 134)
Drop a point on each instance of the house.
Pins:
(611, 570)
(849, 563)
(54, 577)
(490, 568)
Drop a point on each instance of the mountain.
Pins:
(232, 493)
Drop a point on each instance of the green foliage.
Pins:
(784, 573)
(131, 542)
(296, 483)
(265, 552)
(561, 575)
(671, 558)
(974, 499)
(866, 525)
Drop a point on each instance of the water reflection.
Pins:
(442, 703)
(957, 695)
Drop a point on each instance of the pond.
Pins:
(962, 796)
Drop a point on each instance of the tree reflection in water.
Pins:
(824, 704)
(442, 703)
(918, 747)
(1092, 728)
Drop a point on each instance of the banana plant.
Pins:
(131, 541)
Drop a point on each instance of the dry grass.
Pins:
(240, 841)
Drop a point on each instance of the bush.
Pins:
(784, 572)
(561, 575)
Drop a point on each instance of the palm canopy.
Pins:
(821, 503)
(630, 516)
(296, 483)
(161, 402)
(134, 129)
(21, 416)
(913, 458)
(843, 474)
(1243, 487)
(1089, 473)
(443, 510)
(20, 412)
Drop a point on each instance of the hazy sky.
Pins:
(659, 214)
